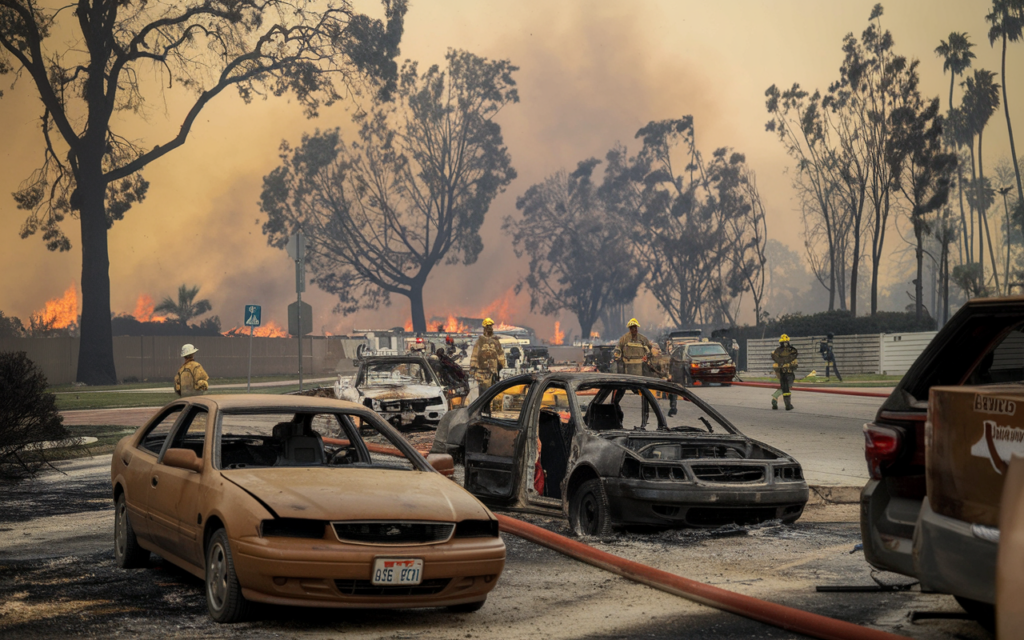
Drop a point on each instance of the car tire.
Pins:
(127, 551)
(589, 514)
(224, 598)
(467, 607)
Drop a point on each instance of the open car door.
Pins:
(494, 442)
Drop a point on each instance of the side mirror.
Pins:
(443, 464)
(184, 459)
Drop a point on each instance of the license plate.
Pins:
(397, 571)
(714, 371)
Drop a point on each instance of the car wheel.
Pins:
(127, 551)
(224, 597)
(467, 607)
(588, 510)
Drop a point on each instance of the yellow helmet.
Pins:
(633, 323)
(488, 322)
(783, 338)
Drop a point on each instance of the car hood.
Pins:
(715, 358)
(334, 493)
(401, 391)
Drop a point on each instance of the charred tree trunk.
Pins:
(419, 316)
(96, 347)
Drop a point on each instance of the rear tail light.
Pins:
(882, 445)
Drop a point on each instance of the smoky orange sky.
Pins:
(591, 73)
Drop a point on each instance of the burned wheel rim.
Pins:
(217, 576)
(121, 529)
(589, 513)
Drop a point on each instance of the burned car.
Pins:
(406, 390)
(601, 356)
(601, 449)
(284, 500)
(702, 362)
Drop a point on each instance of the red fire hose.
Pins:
(788, 618)
(841, 392)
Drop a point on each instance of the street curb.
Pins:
(826, 494)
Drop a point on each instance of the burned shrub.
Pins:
(28, 418)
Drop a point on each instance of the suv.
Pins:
(983, 344)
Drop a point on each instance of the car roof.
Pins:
(404, 358)
(257, 401)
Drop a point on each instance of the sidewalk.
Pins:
(233, 385)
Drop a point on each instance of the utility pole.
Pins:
(297, 250)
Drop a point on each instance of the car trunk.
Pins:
(971, 434)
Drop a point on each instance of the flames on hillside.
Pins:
(268, 330)
(58, 313)
(144, 310)
(503, 311)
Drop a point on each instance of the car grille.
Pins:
(728, 473)
(393, 532)
(416, 406)
(367, 588)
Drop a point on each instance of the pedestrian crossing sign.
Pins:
(252, 315)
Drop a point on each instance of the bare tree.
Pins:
(112, 54)
(410, 193)
(580, 257)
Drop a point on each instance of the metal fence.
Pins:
(884, 353)
(159, 357)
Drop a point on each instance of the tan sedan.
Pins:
(299, 501)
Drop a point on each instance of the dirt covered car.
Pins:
(704, 362)
(601, 449)
(407, 390)
(283, 500)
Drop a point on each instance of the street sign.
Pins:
(293, 320)
(252, 315)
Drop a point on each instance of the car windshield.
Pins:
(258, 439)
(397, 373)
(708, 350)
(613, 406)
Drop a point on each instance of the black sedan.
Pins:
(702, 361)
(600, 449)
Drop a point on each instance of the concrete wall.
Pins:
(158, 357)
(900, 350)
(886, 353)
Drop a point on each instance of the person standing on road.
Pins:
(785, 366)
(829, 355)
(658, 367)
(488, 357)
(191, 379)
(633, 349)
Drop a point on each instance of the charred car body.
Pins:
(601, 449)
(701, 361)
(409, 390)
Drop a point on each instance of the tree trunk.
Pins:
(965, 246)
(585, 327)
(419, 318)
(919, 283)
(981, 240)
(945, 283)
(1013, 148)
(854, 277)
(983, 217)
(96, 348)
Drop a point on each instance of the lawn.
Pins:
(107, 437)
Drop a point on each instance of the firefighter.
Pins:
(191, 379)
(633, 349)
(829, 356)
(658, 367)
(785, 366)
(488, 357)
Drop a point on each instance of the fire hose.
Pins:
(788, 618)
(841, 392)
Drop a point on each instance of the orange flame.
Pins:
(559, 334)
(59, 313)
(408, 325)
(452, 325)
(594, 334)
(269, 330)
(144, 310)
(502, 309)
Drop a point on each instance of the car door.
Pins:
(494, 440)
(174, 492)
(676, 365)
(139, 462)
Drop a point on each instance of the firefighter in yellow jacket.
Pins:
(785, 366)
(633, 349)
(191, 379)
(488, 357)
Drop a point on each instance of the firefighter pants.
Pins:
(785, 385)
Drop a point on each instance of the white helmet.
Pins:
(188, 350)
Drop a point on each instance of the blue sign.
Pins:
(252, 315)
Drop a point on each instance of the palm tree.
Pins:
(957, 56)
(981, 99)
(187, 306)
(1007, 20)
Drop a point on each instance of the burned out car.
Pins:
(406, 390)
(702, 362)
(285, 500)
(601, 449)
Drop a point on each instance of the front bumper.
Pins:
(950, 558)
(887, 524)
(633, 501)
(317, 573)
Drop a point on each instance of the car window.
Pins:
(1004, 363)
(708, 350)
(613, 407)
(507, 403)
(310, 439)
(155, 437)
(395, 373)
(191, 433)
(678, 353)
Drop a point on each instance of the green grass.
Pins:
(117, 400)
(107, 438)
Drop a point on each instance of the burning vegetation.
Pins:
(269, 330)
(58, 317)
